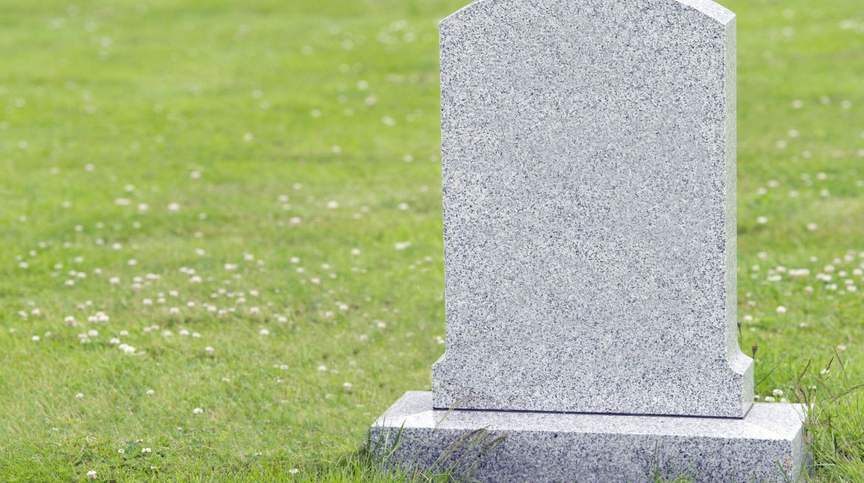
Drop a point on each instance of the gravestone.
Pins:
(589, 157)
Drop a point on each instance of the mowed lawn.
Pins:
(221, 243)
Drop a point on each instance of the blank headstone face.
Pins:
(589, 208)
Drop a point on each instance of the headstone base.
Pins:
(766, 446)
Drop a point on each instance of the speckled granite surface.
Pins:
(539, 447)
(589, 208)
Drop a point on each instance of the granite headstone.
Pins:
(589, 174)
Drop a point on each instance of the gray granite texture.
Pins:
(589, 209)
(511, 447)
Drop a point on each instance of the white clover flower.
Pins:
(197, 411)
(264, 332)
(781, 310)
(92, 474)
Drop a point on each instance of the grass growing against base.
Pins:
(220, 255)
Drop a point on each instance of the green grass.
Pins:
(314, 128)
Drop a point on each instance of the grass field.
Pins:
(221, 249)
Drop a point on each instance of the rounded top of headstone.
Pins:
(709, 8)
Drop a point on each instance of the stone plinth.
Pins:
(766, 446)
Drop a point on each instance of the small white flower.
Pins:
(197, 411)
(264, 332)
(35, 338)
(347, 386)
(92, 474)
(777, 392)
(149, 392)
(174, 207)
(146, 450)
(781, 310)
(79, 396)
(209, 350)
(293, 471)
(121, 451)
